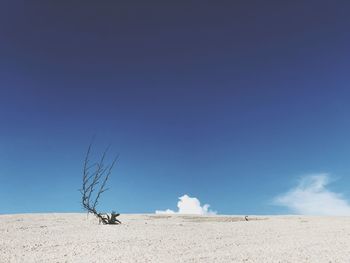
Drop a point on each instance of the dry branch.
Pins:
(95, 176)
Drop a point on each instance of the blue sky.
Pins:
(228, 102)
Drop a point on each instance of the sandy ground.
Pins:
(161, 238)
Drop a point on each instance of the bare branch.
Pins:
(102, 188)
(91, 182)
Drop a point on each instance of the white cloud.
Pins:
(311, 197)
(189, 205)
(168, 211)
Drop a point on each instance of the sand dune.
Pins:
(162, 238)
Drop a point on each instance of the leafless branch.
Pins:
(95, 176)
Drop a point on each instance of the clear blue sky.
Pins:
(226, 101)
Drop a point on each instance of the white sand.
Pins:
(159, 238)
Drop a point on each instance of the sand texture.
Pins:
(161, 238)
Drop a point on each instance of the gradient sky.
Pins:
(227, 101)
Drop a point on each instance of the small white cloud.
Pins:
(189, 205)
(168, 211)
(311, 197)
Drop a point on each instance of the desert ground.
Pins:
(173, 238)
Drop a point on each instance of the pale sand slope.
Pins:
(159, 238)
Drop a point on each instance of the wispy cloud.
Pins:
(311, 197)
(189, 205)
